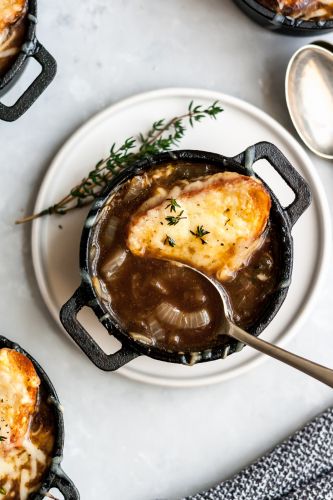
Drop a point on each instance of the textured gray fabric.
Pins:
(301, 468)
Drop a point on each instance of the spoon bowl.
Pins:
(309, 95)
(227, 327)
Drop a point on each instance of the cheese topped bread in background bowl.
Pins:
(31, 429)
(291, 17)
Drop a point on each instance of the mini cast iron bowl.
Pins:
(283, 24)
(31, 48)
(85, 295)
(55, 477)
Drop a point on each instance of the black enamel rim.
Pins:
(86, 295)
(55, 477)
(286, 23)
(20, 60)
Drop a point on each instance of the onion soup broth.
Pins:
(161, 303)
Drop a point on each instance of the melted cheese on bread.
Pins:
(222, 218)
(10, 12)
(19, 384)
(19, 466)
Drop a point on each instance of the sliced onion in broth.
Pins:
(115, 261)
(155, 328)
(171, 315)
(137, 184)
(111, 229)
(142, 338)
(160, 286)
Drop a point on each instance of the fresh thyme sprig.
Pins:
(172, 220)
(162, 136)
(197, 113)
(173, 205)
(3, 491)
(200, 233)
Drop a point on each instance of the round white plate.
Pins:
(55, 240)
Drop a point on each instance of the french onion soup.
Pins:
(217, 222)
(26, 427)
(301, 9)
(12, 31)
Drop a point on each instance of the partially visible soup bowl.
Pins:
(54, 477)
(284, 24)
(30, 47)
(88, 295)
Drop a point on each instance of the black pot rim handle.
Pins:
(269, 152)
(65, 485)
(68, 317)
(37, 87)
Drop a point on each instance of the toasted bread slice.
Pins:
(19, 384)
(221, 220)
(10, 12)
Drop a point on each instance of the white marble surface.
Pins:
(124, 440)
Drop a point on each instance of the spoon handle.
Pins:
(315, 370)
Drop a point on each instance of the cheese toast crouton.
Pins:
(10, 12)
(214, 224)
(19, 385)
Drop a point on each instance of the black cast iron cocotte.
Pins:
(55, 476)
(284, 24)
(30, 48)
(85, 295)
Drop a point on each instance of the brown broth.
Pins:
(136, 289)
(142, 284)
(250, 290)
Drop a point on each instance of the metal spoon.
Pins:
(315, 370)
(309, 94)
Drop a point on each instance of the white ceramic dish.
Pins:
(55, 240)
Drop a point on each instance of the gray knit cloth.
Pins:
(301, 468)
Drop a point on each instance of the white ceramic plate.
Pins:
(55, 240)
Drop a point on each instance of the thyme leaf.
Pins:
(2, 491)
(170, 241)
(172, 220)
(161, 137)
(200, 233)
(173, 205)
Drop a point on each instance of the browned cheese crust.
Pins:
(10, 12)
(233, 209)
(19, 385)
